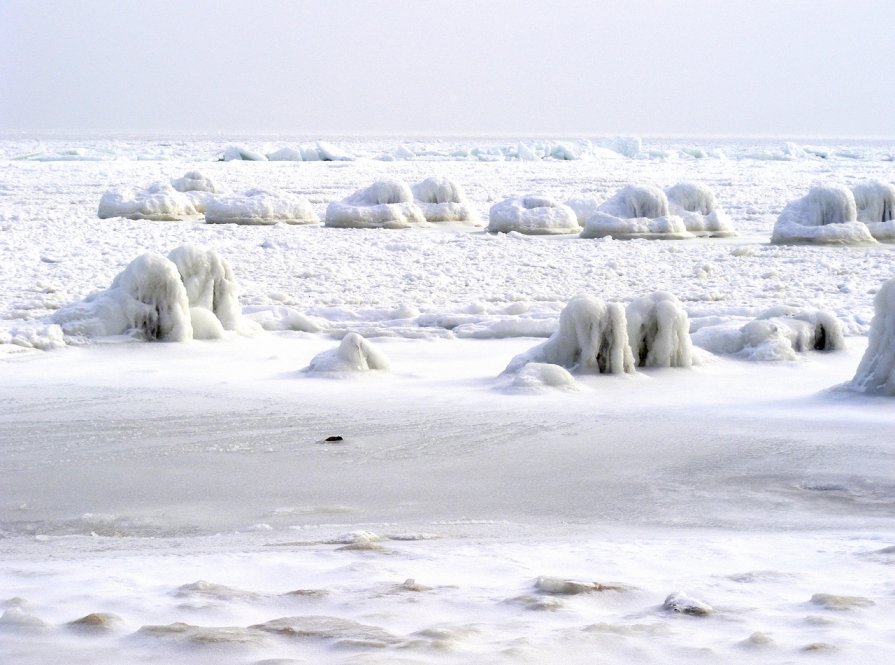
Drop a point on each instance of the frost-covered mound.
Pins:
(443, 200)
(535, 215)
(876, 373)
(386, 204)
(592, 337)
(695, 203)
(659, 332)
(198, 188)
(257, 206)
(354, 354)
(535, 377)
(875, 202)
(780, 333)
(147, 301)
(826, 215)
(158, 202)
(636, 211)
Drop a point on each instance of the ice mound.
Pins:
(204, 635)
(695, 203)
(157, 202)
(566, 587)
(659, 332)
(197, 187)
(147, 300)
(343, 631)
(875, 203)
(538, 376)
(237, 153)
(876, 372)
(97, 622)
(31, 336)
(443, 200)
(592, 337)
(826, 215)
(636, 211)
(535, 215)
(318, 152)
(354, 354)
(585, 207)
(841, 603)
(257, 206)
(386, 204)
(684, 604)
(780, 333)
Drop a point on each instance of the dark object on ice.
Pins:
(332, 439)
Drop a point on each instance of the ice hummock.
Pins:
(260, 207)
(532, 214)
(386, 204)
(443, 200)
(695, 204)
(636, 211)
(826, 215)
(659, 332)
(876, 372)
(875, 202)
(354, 354)
(158, 202)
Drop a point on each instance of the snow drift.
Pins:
(876, 372)
(443, 200)
(826, 215)
(592, 337)
(875, 202)
(157, 202)
(257, 206)
(659, 332)
(636, 211)
(535, 215)
(386, 204)
(695, 204)
(354, 354)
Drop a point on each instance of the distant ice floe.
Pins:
(443, 200)
(190, 294)
(636, 211)
(354, 354)
(826, 215)
(532, 215)
(321, 151)
(876, 372)
(259, 207)
(780, 333)
(386, 204)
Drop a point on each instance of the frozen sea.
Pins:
(167, 502)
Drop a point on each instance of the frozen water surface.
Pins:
(209, 502)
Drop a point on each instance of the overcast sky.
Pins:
(812, 68)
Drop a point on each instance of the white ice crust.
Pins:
(876, 372)
(354, 354)
(592, 338)
(534, 215)
(386, 204)
(826, 215)
(443, 200)
(259, 207)
(659, 332)
(636, 211)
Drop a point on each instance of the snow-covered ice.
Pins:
(257, 206)
(635, 211)
(826, 215)
(876, 373)
(532, 214)
(158, 202)
(386, 204)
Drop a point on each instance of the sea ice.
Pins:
(158, 202)
(257, 206)
(636, 211)
(354, 354)
(659, 332)
(386, 204)
(826, 215)
(443, 200)
(876, 372)
(875, 201)
(535, 215)
(695, 203)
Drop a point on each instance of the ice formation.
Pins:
(695, 203)
(636, 211)
(386, 204)
(257, 206)
(236, 153)
(535, 215)
(826, 215)
(354, 354)
(159, 202)
(875, 202)
(147, 300)
(779, 333)
(536, 376)
(210, 287)
(198, 188)
(592, 337)
(442, 200)
(659, 332)
(876, 372)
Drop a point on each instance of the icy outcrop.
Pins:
(158, 202)
(875, 201)
(147, 300)
(534, 215)
(386, 204)
(592, 337)
(876, 372)
(354, 354)
(285, 155)
(695, 204)
(826, 215)
(197, 187)
(210, 287)
(636, 211)
(237, 153)
(780, 333)
(257, 206)
(659, 331)
(443, 200)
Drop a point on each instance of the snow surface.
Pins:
(181, 502)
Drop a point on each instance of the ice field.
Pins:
(179, 502)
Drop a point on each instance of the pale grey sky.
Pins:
(806, 68)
